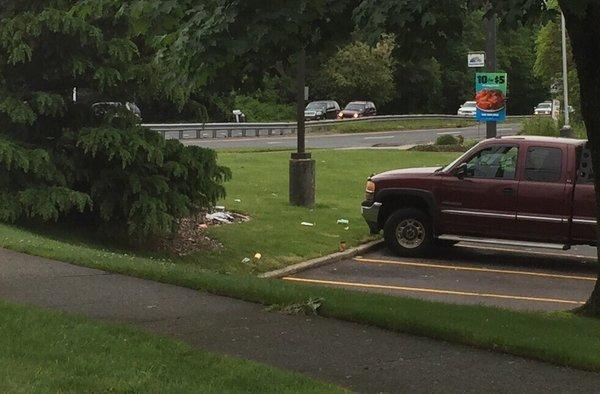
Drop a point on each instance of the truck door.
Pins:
(583, 228)
(544, 206)
(483, 203)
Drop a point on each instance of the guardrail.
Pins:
(182, 131)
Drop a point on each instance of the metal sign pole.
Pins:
(565, 71)
(491, 63)
(302, 166)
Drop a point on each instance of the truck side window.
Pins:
(495, 162)
(543, 164)
(586, 172)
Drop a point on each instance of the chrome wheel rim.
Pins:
(410, 233)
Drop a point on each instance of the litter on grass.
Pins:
(307, 224)
(191, 237)
(237, 200)
(343, 221)
(224, 217)
(246, 261)
(221, 217)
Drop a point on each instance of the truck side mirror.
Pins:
(461, 171)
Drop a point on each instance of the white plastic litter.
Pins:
(221, 217)
(343, 221)
(307, 224)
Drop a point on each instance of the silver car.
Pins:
(544, 108)
(468, 109)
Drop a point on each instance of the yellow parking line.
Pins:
(463, 268)
(432, 291)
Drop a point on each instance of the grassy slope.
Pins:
(50, 352)
(365, 127)
(261, 183)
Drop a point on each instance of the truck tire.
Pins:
(408, 232)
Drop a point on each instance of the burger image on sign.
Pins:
(490, 100)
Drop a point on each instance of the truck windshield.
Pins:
(449, 166)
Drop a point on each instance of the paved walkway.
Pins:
(358, 357)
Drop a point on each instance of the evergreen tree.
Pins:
(56, 158)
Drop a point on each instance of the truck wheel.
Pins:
(408, 232)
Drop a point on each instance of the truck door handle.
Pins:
(508, 191)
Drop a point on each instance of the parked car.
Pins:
(468, 109)
(544, 108)
(319, 110)
(524, 191)
(358, 109)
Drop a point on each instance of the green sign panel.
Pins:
(490, 96)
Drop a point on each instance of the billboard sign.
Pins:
(490, 96)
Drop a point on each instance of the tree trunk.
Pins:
(583, 25)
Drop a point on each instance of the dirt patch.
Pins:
(191, 236)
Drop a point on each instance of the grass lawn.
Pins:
(260, 182)
(43, 351)
(395, 125)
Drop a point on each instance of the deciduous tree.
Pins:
(582, 18)
(360, 72)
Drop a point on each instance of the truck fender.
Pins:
(425, 198)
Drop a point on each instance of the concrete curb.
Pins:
(320, 261)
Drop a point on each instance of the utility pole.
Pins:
(491, 61)
(302, 167)
(566, 130)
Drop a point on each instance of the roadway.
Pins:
(358, 140)
(514, 278)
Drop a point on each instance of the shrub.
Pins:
(141, 183)
(262, 111)
(447, 139)
(468, 144)
(540, 125)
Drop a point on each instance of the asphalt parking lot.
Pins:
(507, 277)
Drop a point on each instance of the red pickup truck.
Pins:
(525, 191)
